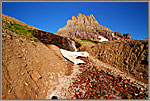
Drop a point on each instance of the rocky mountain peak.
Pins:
(83, 23)
(84, 27)
(88, 28)
(81, 15)
(83, 20)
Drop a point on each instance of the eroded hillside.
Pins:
(129, 56)
(29, 67)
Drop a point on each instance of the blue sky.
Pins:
(124, 17)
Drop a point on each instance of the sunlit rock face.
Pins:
(88, 28)
(84, 27)
(83, 23)
(119, 36)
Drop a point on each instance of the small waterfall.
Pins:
(73, 44)
(72, 56)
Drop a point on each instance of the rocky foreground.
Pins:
(97, 82)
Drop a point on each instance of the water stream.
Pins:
(73, 44)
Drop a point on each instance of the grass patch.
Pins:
(13, 27)
(89, 41)
(80, 42)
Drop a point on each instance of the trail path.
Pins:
(61, 89)
(97, 80)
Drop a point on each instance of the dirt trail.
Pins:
(61, 90)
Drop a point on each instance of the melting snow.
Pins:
(102, 39)
(73, 55)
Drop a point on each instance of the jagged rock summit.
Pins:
(81, 21)
(86, 27)
(82, 24)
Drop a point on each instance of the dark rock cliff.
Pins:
(50, 38)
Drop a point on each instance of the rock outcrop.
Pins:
(50, 38)
(88, 28)
(118, 35)
(127, 36)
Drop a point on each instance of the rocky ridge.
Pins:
(14, 27)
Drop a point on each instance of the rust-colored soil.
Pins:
(30, 69)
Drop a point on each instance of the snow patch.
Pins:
(73, 55)
(102, 39)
